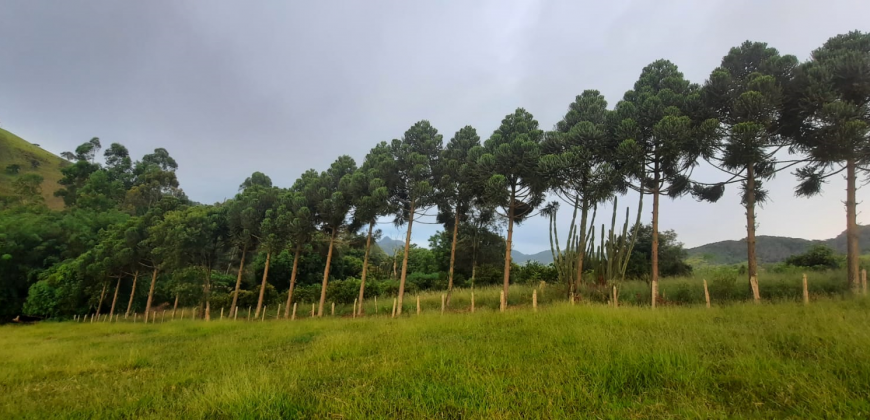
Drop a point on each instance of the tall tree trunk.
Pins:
(102, 296)
(581, 245)
(452, 258)
(654, 284)
(292, 281)
(150, 293)
(507, 252)
(326, 274)
(751, 261)
(132, 293)
(405, 259)
(365, 269)
(115, 299)
(263, 285)
(239, 279)
(852, 247)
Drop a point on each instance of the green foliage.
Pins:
(672, 256)
(818, 257)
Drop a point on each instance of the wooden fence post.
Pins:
(535, 300)
(134, 317)
(293, 317)
(806, 291)
(263, 315)
(706, 294)
(395, 301)
(236, 313)
(418, 304)
(163, 317)
(332, 311)
(756, 295)
(442, 303)
(864, 281)
(615, 297)
(182, 314)
(472, 300)
(249, 313)
(222, 313)
(501, 300)
(354, 308)
(376, 305)
(278, 312)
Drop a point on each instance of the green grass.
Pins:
(782, 360)
(15, 150)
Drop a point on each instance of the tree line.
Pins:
(759, 113)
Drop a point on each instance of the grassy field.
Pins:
(15, 150)
(782, 360)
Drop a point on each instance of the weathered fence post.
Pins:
(236, 313)
(806, 290)
(182, 314)
(706, 293)
(615, 297)
(472, 300)
(395, 301)
(312, 310)
(501, 300)
(376, 305)
(756, 295)
(134, 317)
(418, 305)
(293, 317)
(442, 303)
(332, 311)
(222, 313)
(535, 300)
(278, 313)
(163, 317)
(249, 313)
(354, 308)
(864, 281)
(263, 315)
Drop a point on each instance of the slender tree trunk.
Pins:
(852, 247)
(581, 245)
(507, 252)
(263, 285)
(362, 283)
(405, 259)
(751, 262)
(452, 258)
(115, 298)
(655, 238)
(239, 279)
(102, 296)
(132, 293)
(151, 292)
(326, 275)
(292, 281)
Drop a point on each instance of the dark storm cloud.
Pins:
(234, 87)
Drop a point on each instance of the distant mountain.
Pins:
(770, 249)
(390, 245)
(543, 257)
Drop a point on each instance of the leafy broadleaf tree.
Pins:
(827, 117)
(746, 93)
(664, 129)
(195, 236)
(245, 215)
(371, 200)
(458, 188)
(331, 196)
(413, 184)
(510, 164)
(579, 168)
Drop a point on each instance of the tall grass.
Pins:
(782, 360)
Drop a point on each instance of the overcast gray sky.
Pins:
(232, 87)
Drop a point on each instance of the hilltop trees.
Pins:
(746, 93)
(665, 129)
(827, 117)
(300, 228)
(510, 162)
(416, 163)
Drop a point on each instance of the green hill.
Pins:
(770, 249)
(31, 159)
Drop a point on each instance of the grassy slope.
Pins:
(750, 361)
(14, 149)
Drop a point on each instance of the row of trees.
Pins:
(754, 107)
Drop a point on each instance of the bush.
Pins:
(819, 257)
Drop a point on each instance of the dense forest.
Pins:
(128, 238)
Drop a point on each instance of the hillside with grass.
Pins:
(29, 158)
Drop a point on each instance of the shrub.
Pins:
(819, 257)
